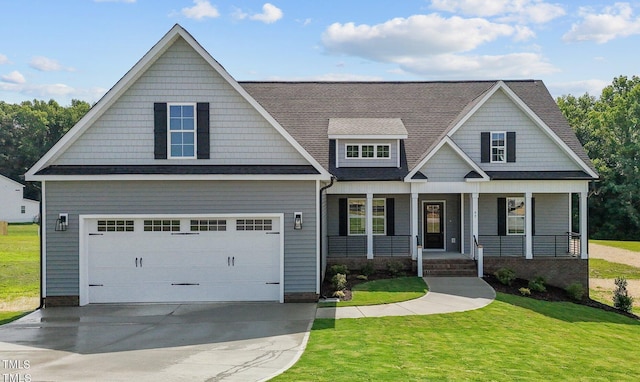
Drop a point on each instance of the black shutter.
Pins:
(342, 217)
(485, 147)
(203, 130)
(391, 217)
(533, 216)
(511, 146)
(160, 130)
(502, 216)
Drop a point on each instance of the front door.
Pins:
(434, 225)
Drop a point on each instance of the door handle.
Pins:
(233, 261)
(228, 261)
(141, 262)
(136, 262)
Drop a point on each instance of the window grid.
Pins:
(115, 226)
(208, 225)
(182, 132)
(254, 225)
(516, 215)
(358, 220)
(162, 225)
(353, 151)
(23, 209)
(382, 151)
(498, 147)
(367, 151)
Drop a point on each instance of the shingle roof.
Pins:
(366, 127)
(427, 109)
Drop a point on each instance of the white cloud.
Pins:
(614, 21)
(201, 10)
(270, 14)
(60, 92)
(523, 11)
(14, 77)
(578, 88)
(45, 64)
(329, 77)
(4, 59)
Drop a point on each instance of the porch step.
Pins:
(450, 267)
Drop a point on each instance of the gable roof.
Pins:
(479, 175)
(11, 181)
(175, 33)
(429, 110)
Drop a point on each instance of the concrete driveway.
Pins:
(155, 342)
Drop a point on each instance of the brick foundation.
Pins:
(53, 301)
(355, 264)
(301, 297)
(557, 271)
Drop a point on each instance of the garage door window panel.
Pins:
(115, 226)
(254, 225)
(162, 225)
(208, 225)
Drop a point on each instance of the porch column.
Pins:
(584, 234)
(528, 229)
(462, 223)
(474, 223)
(414, 225)
(369, 230)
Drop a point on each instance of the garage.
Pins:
(182, 258)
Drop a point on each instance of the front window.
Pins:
(515, 216)
(367, 151)
(182, 132)
(379, 226)
(498, 147)
(353, 151)
(358, 216)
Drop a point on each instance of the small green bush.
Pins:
(368, 269)
(338, 268)
(575, 291)
(338, 294)
(621, 298)
(339, 281)
(505, 275)
(395, 268)
(525, 291)
(362, 277)
(537, 284)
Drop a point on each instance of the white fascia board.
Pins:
(9, 180)
(363, 137)
(79, 178)
(446, 140)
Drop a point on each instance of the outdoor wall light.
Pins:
(62, 222)
(297, 220)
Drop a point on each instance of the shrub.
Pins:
(338, 268)
(339, 281)
(395, 268)
(525, 291)
(362, 277)
(575, 291)
(505, 275)
(368, 269)
(338, 294)
(537, 284)
(621, 298)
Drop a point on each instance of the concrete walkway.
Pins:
(446, 295)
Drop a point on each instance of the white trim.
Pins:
(83, 263)
(134, 74)
(337, 153)
(375, 151)
(524, 217)
(398, 165)
(523, 106)
(43, 232)
(318, 228)
(361, 137)
(504, 147)
(414, 225)
(444, 225)
(528, 225)
(175, 177)
(369, 225)
(584, 227)
(446, 140)
(195, 130)
(366, 206)
(462, 223)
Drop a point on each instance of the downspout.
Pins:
(321, 233)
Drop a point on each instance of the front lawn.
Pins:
(19, 268)
(628, 245)
(384, 291)
(603, 269)
(514, 338)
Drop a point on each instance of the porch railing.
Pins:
(543, 245)
(356, 246)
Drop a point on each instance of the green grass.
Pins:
(385, 291)
(514, 338)
(6, 317)
(603, 269)
(19, 264)
(629, 245)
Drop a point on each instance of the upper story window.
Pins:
(516, 214)
(182, 131)
(498, 147)
(367, 151)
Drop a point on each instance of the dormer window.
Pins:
(367, 151)
(353, 151)
(382, 151)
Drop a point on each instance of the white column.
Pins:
(414, 225)
(528, 228)
(462, 223)
(369, 230)
(474, 214)
(584, 234)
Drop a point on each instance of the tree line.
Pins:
(607, 126)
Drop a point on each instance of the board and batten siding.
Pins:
(446, 166)
(343, 161)
(185, 197)
(123, 135)
(535, 151)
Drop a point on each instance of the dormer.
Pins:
(367, 142)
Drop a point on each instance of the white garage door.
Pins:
(168, 259)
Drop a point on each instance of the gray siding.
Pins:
(343, 161)
(452, 218)
(446, 166)
(187, 197)
(123, 135)
(535, 151)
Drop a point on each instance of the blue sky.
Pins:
(80, 48)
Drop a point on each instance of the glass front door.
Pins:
(434, 225)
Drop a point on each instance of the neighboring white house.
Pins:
(13, 207)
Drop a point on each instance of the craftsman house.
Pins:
(182, 184)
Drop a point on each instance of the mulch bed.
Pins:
(352, 280)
